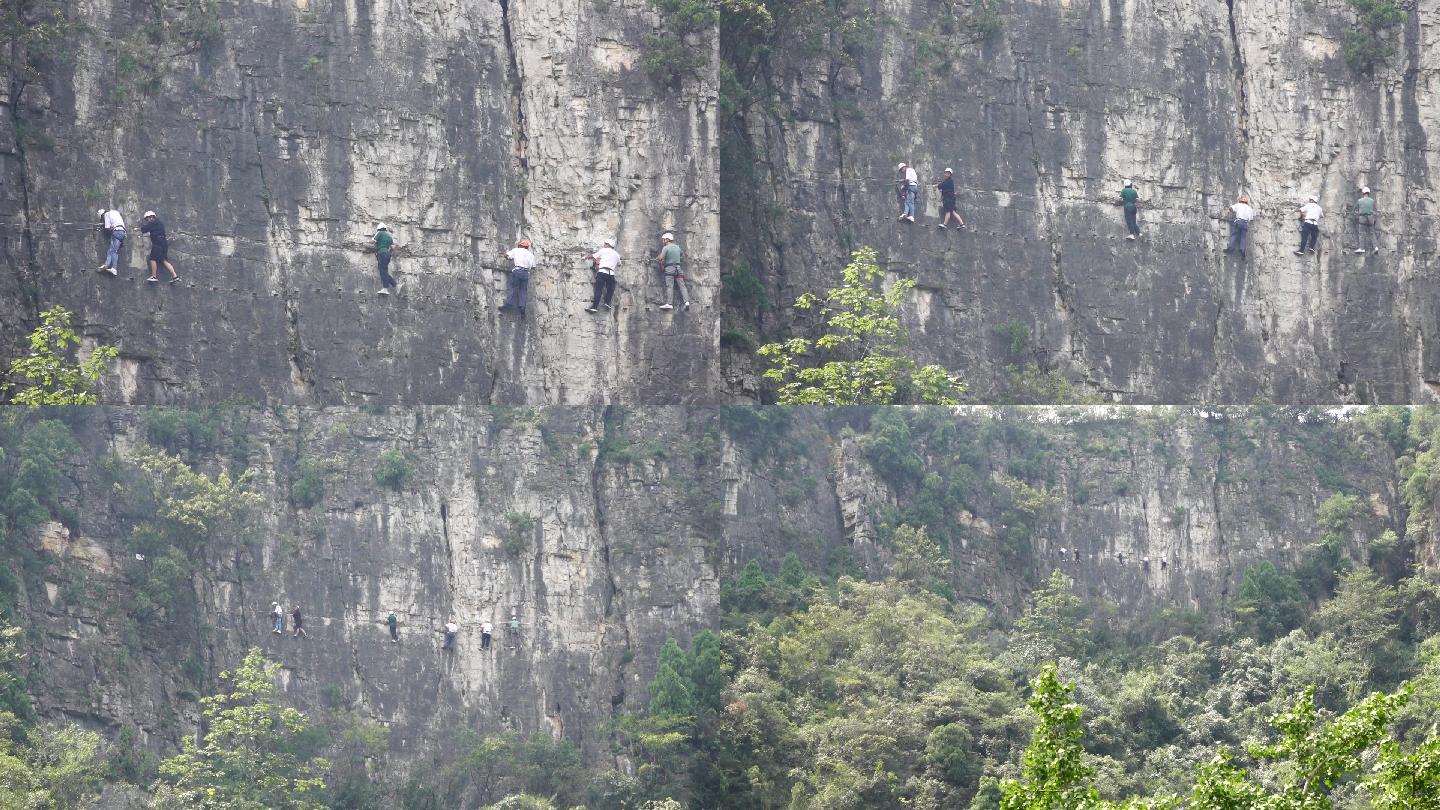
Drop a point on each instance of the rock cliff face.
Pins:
(272, 141)
(606, 531)
(1043, 119)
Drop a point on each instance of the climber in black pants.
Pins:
(605, 261)
(159, 247)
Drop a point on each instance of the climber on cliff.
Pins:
(159, 247)
(1310, 214)
(1365, 221)
(1130, 198)
(1241, 213)
(277, 616)
(907, 187)
(451, 628)
(674, 272)
(517, 284)
(299, 623)
(384, 246)
(486, 629)
(394, 622)
(604, 262)
(113, 226)
(947, 199)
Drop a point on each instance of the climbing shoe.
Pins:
(174, 279)
(591, 309)
(152, 278)
(383, 291)
(942, 226)
(666, 306)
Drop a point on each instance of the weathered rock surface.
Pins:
(639, 514)
(270, 152)
(1042, 122)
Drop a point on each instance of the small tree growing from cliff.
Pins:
(859, 359)
(46, 376)
(1365, 46)
(247, 758)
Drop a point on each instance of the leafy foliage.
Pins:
(393, 470)
(1366, 46)
(45, 376)
(859, 359)
(678, 50)
(1053, 773)
(247, 758)
(186, 512)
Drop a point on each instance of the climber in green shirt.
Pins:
(394, 623)
(669, 259)
(383, 244)
(1365, 221)
(1130, 197)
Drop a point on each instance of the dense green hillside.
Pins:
(861, 602)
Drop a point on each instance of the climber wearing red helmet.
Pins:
(522, 261)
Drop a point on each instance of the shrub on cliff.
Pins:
(859, 357)
(392, 471)
(1365, 46)
(46, 375)
(248, 756)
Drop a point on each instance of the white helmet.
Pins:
(1364, 189)
(608, 243)
(900, 167)
(100, 213)
(949, 170)
(1311, 198)
(380, 226)
(667, 236)
(147, 215)
(1128, 184)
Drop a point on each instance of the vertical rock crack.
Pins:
(1239, 56)
(517, 103)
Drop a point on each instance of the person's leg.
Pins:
(609, 288)
(112, 256)
(910, 202)
(669, 281)
(153, 268)
(510, 283)
(1314, 237)
(523, 293)
(1244, 236)
(171, 268)
(383, 261)
(598, 288)
(684, 294)
(1130, 224)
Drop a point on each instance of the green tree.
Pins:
(46, 376)
(1403, 780)
(56, 768)
(671, 692)
(918, 559)
(1058, 622)
(1053, 773)
(860, 359)
(246, 759)
(1318, 755)
(1270, 603)
(1366, 45)
(707, 675)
